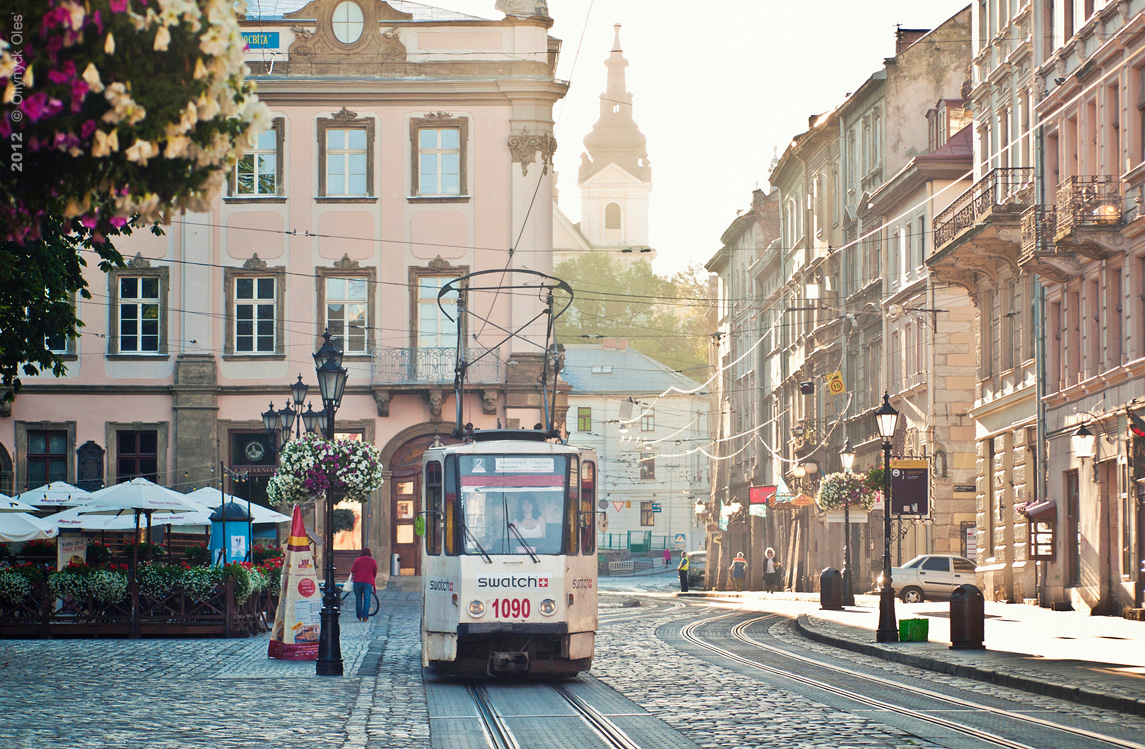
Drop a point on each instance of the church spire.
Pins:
(616, 138)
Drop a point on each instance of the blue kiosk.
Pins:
(230, 534)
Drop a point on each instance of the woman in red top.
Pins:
(364, 573)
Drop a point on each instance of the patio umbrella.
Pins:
(7, 504)
(210, 498)
(55, 494)
(20, 526)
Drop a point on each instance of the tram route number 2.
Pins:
(511, 608)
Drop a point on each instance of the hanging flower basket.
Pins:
(837, 489)
(310, 467)
(121, 108)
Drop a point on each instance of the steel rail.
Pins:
(690, 635)
(602, 726)
(740, 631)
(492, 724)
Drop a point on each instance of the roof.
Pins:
(619, 371)
(277, 9)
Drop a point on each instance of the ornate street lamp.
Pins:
(270, 421)
(887, 418)
(1083, 442)
(312, 419)
(847, 455)
(331, 384)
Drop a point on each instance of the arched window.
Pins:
(612, 216)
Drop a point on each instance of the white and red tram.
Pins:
(509, 555)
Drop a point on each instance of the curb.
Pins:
(1077, 694)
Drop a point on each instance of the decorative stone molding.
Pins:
(344, 115)
(438, 264)
(301, 32)
(346, 263)
(438, 116)
(489, 402)
(435, 399)
(320, 52)
(525, 147)
(382, 400)
(254, 263)
(138, 262)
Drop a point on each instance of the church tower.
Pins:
(615, 177)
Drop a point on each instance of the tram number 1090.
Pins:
(511, 608)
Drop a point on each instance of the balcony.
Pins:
(430, 366)
(1040, 253)
(1089, 211)
(1002, 190)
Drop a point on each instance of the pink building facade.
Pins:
(406, 149)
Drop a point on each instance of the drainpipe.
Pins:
(1040, 467)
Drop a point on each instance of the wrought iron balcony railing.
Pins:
(430, 366)
(1088, 201)
(1038, 229)
(1001, 187)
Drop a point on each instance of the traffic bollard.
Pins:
(831, 590)
(967, 618)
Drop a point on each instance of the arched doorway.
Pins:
(405, 500)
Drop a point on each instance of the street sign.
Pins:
(835, 384)
(761, 495)
(656, 507)
(680, 538)
(910, 487)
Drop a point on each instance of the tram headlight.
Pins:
(548, 607)
(476, 608)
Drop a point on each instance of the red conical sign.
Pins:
(296, 621)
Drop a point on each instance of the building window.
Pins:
(345, 304)
(347, 22)
(136, 455)
(648, 468)
(583, 419)
(47, 459)
(647, 516)
(438, 156)
(612, 216)
(138, 311)
(648, 421)
(434, 329)
(601, 369)
(254, 311)
(257, 171)
(345, 156)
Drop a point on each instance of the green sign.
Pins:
(419, 525)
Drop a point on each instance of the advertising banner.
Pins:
(761, 495)
(70, 549)
(910, 487)
(296, 621)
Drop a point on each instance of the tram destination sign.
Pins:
(910, 487)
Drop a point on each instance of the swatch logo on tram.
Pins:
(513, 581)
(444, 585)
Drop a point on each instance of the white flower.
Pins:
(141, 151)
(200, 69)
(109, 45)
(75, 14)
(105, 143)
(162, 39)
(91, 77)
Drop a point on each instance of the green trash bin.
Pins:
(914, 630)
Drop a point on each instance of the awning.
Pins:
(1042, 511)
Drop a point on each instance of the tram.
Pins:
(509, 544)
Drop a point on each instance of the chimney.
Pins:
(622, 344)
(906, 37)
(757, 199)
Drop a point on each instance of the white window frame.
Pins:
(132, 343)
(258, 305)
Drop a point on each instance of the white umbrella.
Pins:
(55, 494)
(142, 495)
(7, 504)
(96, 518)
(20, 526)
(210, 498)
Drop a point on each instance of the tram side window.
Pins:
(452, 527)
(572, 508)
(434, 512)
(588, 507)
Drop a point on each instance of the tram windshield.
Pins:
(513, 504)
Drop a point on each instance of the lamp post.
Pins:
(847, 455)
(331, 384)
(887, 418)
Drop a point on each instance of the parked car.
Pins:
(931, 576)
(697, 566)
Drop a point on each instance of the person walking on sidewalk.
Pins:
(667, 556)
(738, 570)
(683, 570)
(364, 573)
(772, 571)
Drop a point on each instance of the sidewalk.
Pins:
(1092, 660)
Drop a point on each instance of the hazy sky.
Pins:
(716, 87)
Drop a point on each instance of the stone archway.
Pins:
(401, 495)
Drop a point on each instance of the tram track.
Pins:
(690, 633)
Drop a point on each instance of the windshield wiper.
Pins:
(521, 538)
(480, 548)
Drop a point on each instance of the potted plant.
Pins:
(310, 467)
(837, 490)
(197, 554)
(39, 550)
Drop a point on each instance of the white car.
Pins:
(931, 576)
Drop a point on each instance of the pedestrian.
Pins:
(667, 556)
(772, 571)
(738, 570)
(683, 570)
(364, 573)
